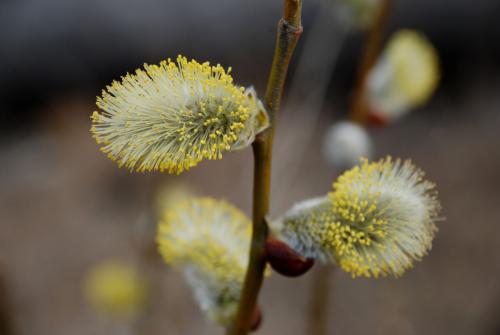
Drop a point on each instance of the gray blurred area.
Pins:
(65, 207)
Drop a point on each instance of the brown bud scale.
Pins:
(285, 260)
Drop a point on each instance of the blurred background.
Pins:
(65, 207)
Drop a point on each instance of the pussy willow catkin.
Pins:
(379, 219)
(169, 117)
(208, 241)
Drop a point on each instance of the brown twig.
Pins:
(320, 301)
(371, 50)
(289, 30)
(6, 326)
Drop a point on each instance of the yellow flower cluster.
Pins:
(405, 76)
(116, 288)
(377, 221)
(208, 241)
(416, 65)
(168, 117)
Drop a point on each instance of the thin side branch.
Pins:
(371, 50)
(6, 326)
(289, 30)
(319, 308)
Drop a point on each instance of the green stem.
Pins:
(371, 50)
(289, 30)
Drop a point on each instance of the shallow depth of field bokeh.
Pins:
(65, 207)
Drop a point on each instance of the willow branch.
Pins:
(6, 326)
(319, 308)
(371, 50)
(289, 30)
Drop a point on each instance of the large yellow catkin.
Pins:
(379, 219)
(169, 117)
(208, 241)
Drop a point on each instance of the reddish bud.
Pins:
(377, 119)
(256, 320)
(285, 260)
